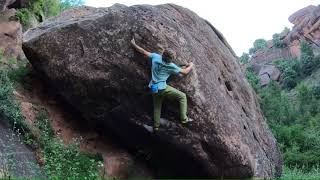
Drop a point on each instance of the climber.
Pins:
(162, 67)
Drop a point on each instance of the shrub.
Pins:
(23, 15)
(9, 109)
(67, 4)
(277, 42)
(317, 60)
(290, 72)
(300, 173)
(259, 44)
(244, 58)
(64, 162)
(19, 74)
(275, 105)
(253, 78)
(1, 55)
(306, 58)
(51, 8)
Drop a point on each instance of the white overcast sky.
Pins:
(240, 21)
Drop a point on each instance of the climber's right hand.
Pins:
(133, 42)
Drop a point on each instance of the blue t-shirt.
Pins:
(161, 70)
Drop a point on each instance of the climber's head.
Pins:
(168, 55)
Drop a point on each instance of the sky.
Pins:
(240, 21)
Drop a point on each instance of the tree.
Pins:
(244, 58)
(259, 44)
(252, 51)
(285, 31)
(290, 69)
(277, 42)
(67, 4)
(253, 78)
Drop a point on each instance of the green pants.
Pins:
(172, 94)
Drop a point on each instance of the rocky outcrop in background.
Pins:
(306, 28)
(85, 56)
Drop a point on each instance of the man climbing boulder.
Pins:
(162, 67)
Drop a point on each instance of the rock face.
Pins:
(306, 25)
(85, 55)
(306, 28)
(5, 3)
(10, 35)
(262, 57)
(267, 73)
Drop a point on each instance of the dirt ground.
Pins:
(118, 163)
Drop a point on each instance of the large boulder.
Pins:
(85, 56)
(268, 73)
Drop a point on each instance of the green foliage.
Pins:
(275, 105)
(285, 31)
(51, 8)
(252, 51)
(253, 79)
(64, 162)
(317, 60)
(294, 120)
(259, 44)
(61, 162)
(9, 109)
(67, 4)
(244, 58)
(290, 72)
(42, 9)
(23, 15)
(19, 74)
(277, 42)
(300, 173)
(1, 55)
(307, 58)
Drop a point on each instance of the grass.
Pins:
(61, 161)
(298, 173)
(64, 162)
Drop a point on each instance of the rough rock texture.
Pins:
(267, 73)
(306, 28)
(267, 56)
(18, 4)
(10, 35)
(86, 57)
(16, 155)
(5, 3)
(306, 25)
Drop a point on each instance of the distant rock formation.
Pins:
(306, 28)
(85, 55)
(306, 25)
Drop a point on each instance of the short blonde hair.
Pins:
(168, 55)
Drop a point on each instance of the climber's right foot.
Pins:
(186, 121)
(155, 129)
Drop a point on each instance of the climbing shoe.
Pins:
(155, 129)
(186, 121)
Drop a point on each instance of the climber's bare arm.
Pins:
(186, 70)
(140, 49)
